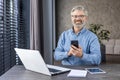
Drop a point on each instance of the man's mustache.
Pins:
(78, 21)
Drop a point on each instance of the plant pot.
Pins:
(103, 53)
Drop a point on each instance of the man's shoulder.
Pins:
(67, 31)
(90, 33)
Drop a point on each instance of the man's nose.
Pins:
(78, 17)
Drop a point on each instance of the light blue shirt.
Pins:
(87, 40)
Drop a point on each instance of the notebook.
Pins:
(33, 61)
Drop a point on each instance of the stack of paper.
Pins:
(77, 73)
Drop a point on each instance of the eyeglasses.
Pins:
(78, 16)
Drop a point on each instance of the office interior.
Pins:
(19, 19)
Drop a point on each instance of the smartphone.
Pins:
(74, 43)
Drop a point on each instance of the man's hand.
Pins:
(75, 51)
(70, 51)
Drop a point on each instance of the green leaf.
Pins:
(101, 33)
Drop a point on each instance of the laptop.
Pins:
(33, 61)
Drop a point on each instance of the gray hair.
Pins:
(81, 8)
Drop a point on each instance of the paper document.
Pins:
(77, 73)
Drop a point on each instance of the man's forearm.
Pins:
(60, 55)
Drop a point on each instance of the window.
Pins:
(11, 24)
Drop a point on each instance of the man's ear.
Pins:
(86, 18)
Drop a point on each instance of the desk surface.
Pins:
(19, 73)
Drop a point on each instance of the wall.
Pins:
(106, 12)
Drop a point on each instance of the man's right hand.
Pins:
(70, 52)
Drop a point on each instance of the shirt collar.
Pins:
(81, 32)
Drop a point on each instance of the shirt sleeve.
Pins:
(59, 53)
(94, 55)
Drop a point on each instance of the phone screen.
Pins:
(75, 43)
(95, 70)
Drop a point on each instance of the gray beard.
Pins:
(79, 25)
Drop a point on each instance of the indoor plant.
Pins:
(102, 34)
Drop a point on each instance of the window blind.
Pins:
(12, 32)
(8, 34)
(1, 37)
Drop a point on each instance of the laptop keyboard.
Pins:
(53, 70)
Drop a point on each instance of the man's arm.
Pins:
(60, 53)
(94, 57)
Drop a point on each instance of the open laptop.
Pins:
(32, 60)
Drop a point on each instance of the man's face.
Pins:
(78, 18)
